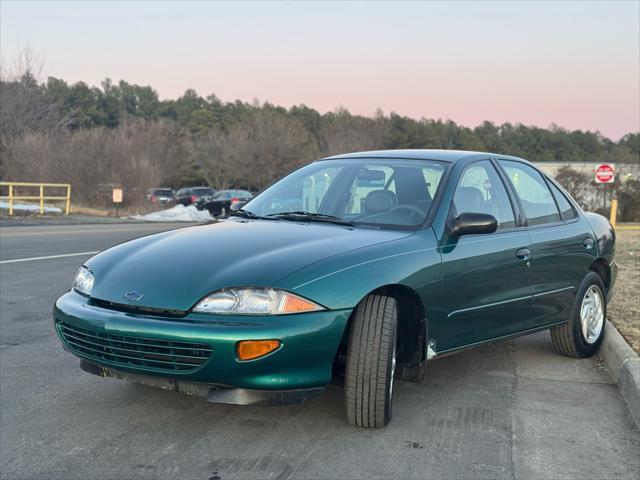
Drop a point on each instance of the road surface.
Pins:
(514, 410)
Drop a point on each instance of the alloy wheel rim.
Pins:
(592, 314)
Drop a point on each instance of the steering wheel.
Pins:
(407, 208)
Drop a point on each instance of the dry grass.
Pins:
(97, 212)
(624, 309)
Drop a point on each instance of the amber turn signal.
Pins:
(250, 349)
(295, 304)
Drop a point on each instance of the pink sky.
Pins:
(575, 64)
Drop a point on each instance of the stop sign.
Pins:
(605, 173)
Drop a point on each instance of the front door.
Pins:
(486, 289)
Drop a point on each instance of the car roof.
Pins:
(417, 154)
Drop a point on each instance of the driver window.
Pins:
(480, 190)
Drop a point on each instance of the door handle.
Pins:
(523, 254)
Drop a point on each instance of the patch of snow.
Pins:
(179, 213)
(29, 207)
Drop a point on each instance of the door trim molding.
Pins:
(558, 290)
(488, 305)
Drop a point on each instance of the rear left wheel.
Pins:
(582, 336)
(371, 362)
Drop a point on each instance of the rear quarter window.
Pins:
(566, 209)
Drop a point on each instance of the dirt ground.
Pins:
(624, 309)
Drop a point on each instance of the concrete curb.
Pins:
(623, 364)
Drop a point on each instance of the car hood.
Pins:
(175, 269)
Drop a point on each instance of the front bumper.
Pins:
(210, 392)
(304, 360)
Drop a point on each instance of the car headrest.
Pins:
(469, 199)
(379, 201)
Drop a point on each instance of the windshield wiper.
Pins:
(310, 216)
(247, 214)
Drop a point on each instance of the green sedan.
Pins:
(355, 269)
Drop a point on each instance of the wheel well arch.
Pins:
(601, 267)
(412, 322)
(412, 327)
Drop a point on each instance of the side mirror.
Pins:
(472, 224)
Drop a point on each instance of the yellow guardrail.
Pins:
(12, 197)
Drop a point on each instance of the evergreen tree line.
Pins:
(125, 134)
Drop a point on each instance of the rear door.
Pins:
(485, 277)
(561, 251)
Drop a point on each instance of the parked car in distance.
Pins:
(220, 205)
(390, 259)
(160, 196)
(187, 196)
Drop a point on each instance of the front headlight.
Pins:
(83, 283)
(254, 301)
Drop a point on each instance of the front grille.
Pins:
(160, 355)
(121, 307)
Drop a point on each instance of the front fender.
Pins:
(342, 281)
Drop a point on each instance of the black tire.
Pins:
(568, 339)
(370, 362)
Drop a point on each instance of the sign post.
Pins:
(117, 198)
(605, 173)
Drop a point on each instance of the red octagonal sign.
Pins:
(605, 173)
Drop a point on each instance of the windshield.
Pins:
(384, 192)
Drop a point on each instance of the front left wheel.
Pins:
(371, 362)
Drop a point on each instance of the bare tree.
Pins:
(208, 153)
(343, 132)
(25, 62)
(574, 182)
(255, 152)
(24, 108)
(137, 155)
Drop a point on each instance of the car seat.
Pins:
(469, 199)
(379, 201)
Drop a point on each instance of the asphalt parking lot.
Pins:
(514, 410)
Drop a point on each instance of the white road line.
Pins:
(7, 232)
(18, 260)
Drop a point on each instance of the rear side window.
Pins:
(566, 209)
(481, 191)
(535, 196)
